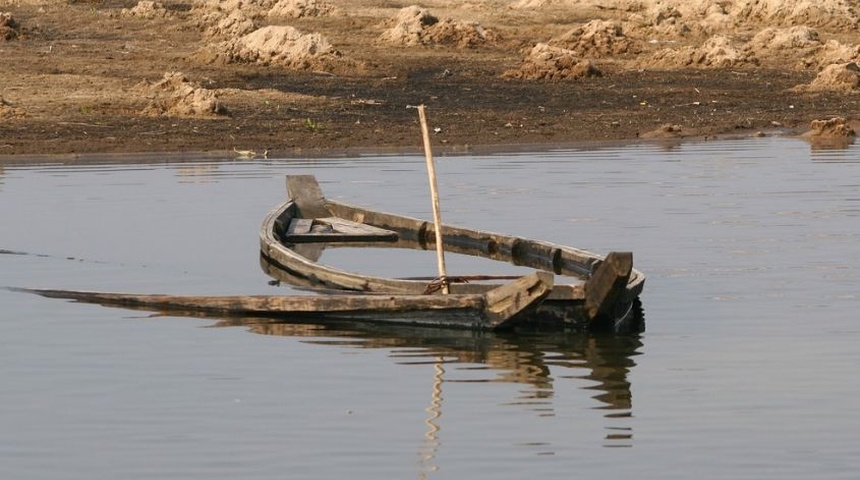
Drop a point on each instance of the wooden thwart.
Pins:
(298, 227)
(333, 229)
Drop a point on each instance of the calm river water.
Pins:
(748, 368)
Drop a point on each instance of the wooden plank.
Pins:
(487, 310)
(274, 304)
(332, 229)
(605, 287)
(508, 304)
(299, 226)
(306, 192)
(348, 227)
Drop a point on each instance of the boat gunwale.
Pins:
(560, 261)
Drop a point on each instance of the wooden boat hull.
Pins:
(591, 292)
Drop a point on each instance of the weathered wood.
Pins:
(604, 288)
(566, 304)
(347, 227)
(497, 308)
(298, 227)
(332, 229)
(508, 304)
(307, 194)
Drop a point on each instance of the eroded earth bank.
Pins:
(298, 77)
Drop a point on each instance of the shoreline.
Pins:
(120, 77)
(149, 156)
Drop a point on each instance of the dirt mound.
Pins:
(838, 77)
(836, 127)
(223, 24)
(831, 14)
(278, 45)
(234, 18)
(711, 17)
(835, 133)
(9, 28)
(530, 4)
(545, 62)
(146, 9)
(789, 35)
(716, 52)
(250, 7)
(301, 9)
(409, 26)
(781, 47)
(797, 48)
(794, 38)
(707, 17)
(417, 26)
(174, 95)
(597, 39)
(835, 52)
(7, 110)
(801, 46)
(674, 19)
(667, 130)
(225, 18)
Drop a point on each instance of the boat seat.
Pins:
(333, 229)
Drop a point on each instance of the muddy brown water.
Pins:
(747, 368)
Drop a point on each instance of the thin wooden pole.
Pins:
(434, 193)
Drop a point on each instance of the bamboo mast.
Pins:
(434, 193)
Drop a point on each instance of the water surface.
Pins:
(747, 367)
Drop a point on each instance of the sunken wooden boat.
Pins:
(591, 292)
(496, 309)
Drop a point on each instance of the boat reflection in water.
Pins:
(538, 360)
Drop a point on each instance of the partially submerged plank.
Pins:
(489, 310)
(605, 287)
(273, 304)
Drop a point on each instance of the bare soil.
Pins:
(105, 76)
